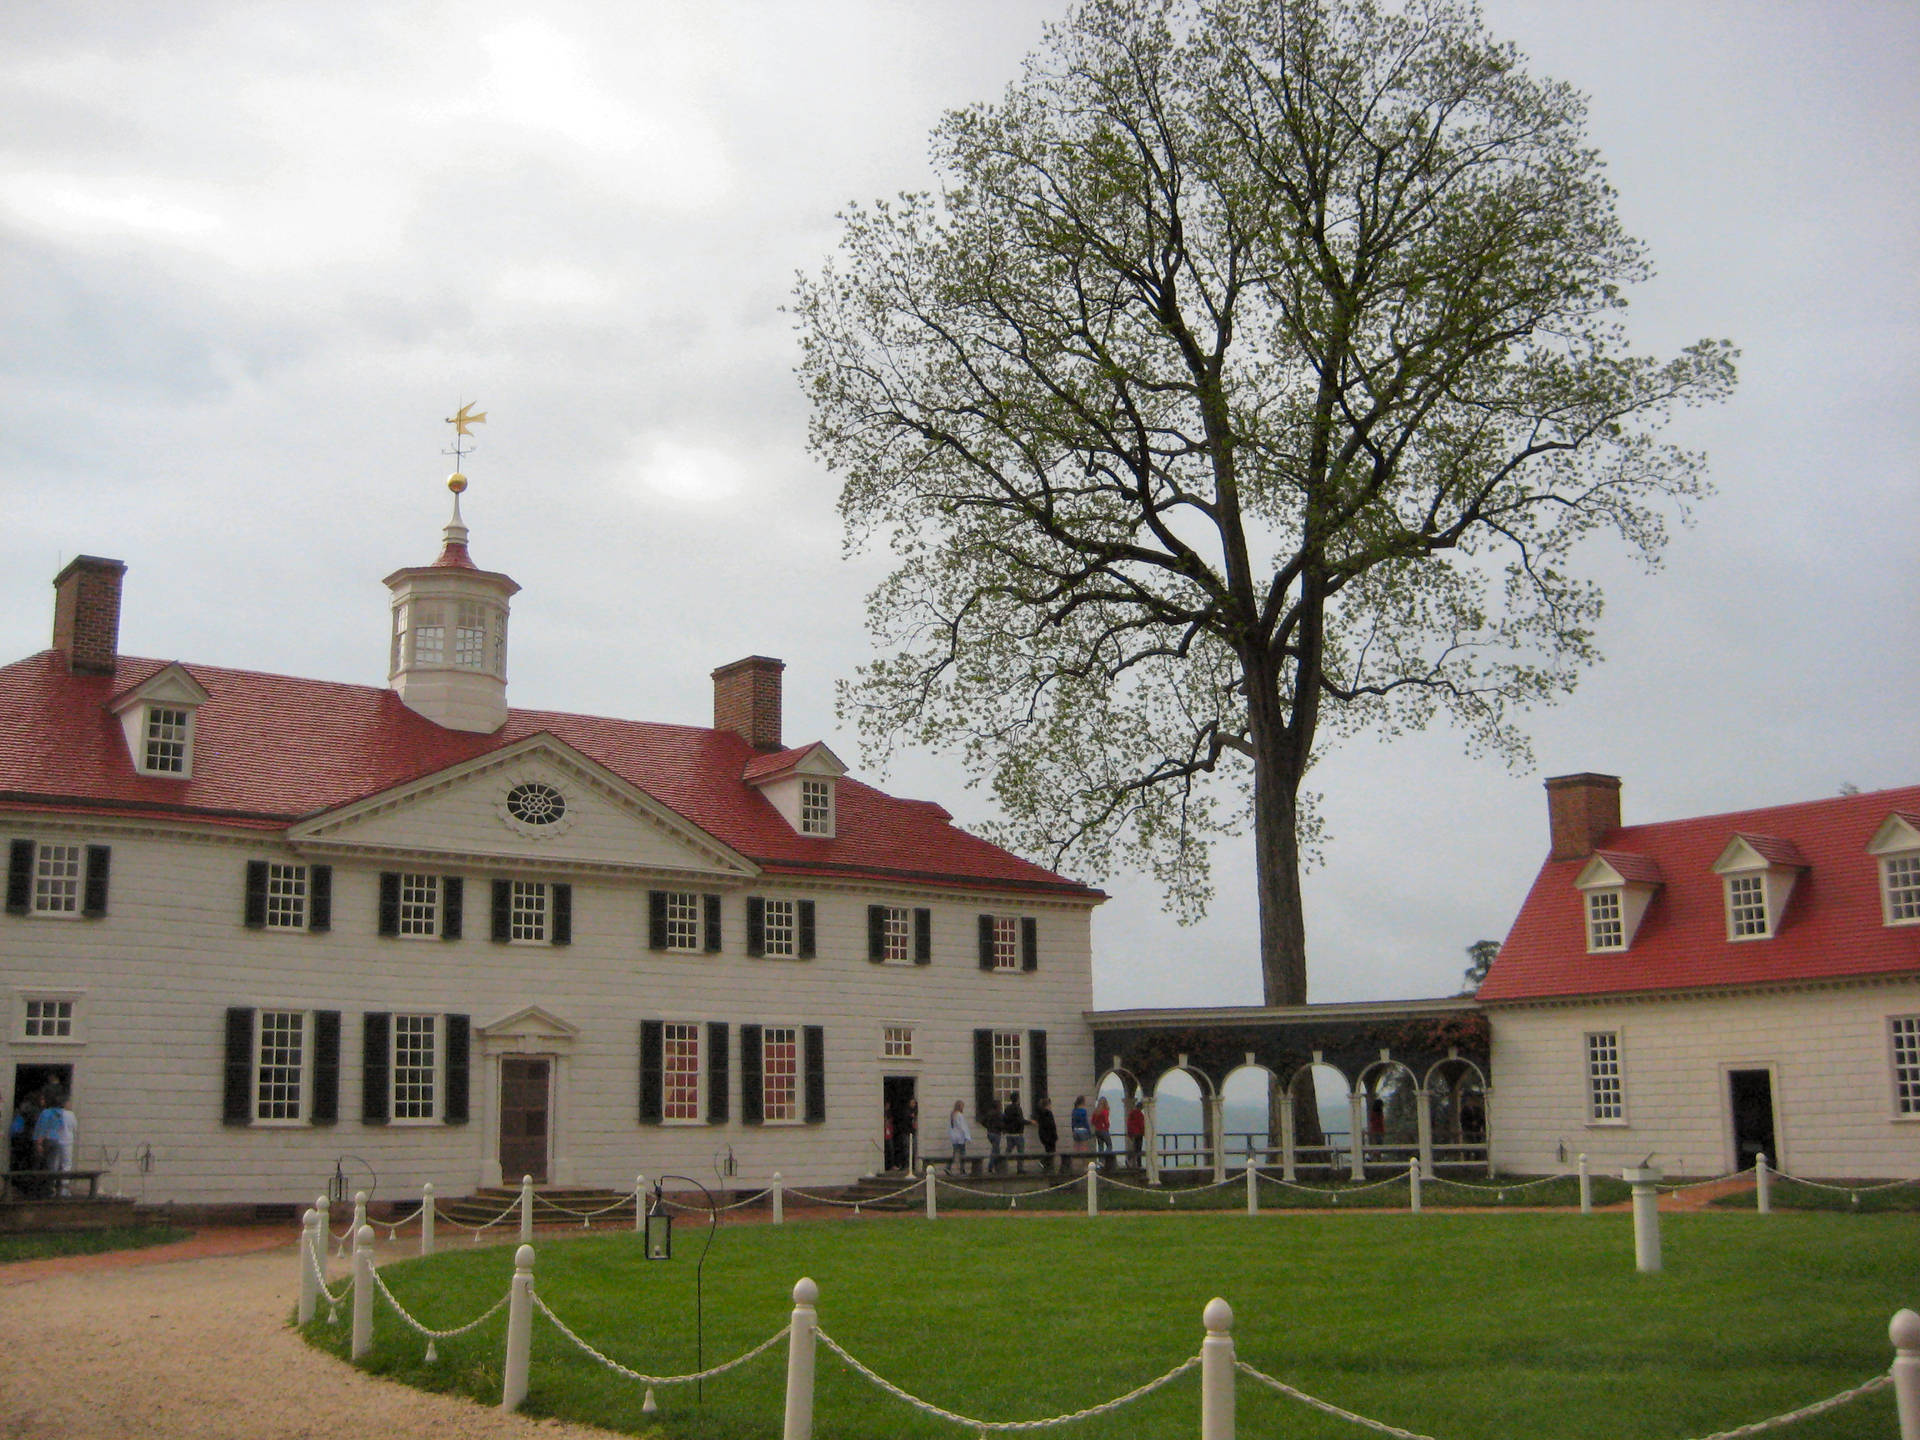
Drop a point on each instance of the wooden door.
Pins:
(524, 1105)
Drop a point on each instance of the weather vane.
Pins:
(460, 420)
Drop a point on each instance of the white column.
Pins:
(1093, 1187)
(427, 1207)
(1586, 1187)
(1413, 1185)
(1423, 1113)
(1762, 1184)
(799, 1416)
(1357, 1134)
(933, 1199)
(322, 1240)
(1646, 1216)
(1905, 1334)
(362, 1291)
(519, 1329)
(1253, 1187)
(309, 1288)
(779, 1199)
(1216, 1372)
(526, 1209)
(1286, 1141)
(1216, 1124)
(1152, 1143)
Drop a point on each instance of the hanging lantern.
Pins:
(659, 1231)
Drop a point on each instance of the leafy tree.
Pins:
(1481, 954)
(1248, 384)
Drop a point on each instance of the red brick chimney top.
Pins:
(1580, 810)
(86, 614)
(746, 700)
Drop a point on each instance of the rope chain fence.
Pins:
(635, 1375)
(1003, 1426)
(474, 1324)
(320, 1279)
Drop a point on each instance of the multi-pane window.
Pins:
(780, 1073)
(1746, 905)
(470, 638)
(1901, 875)
(1006, 942)
(167, 734)
(683, 920)
(56, 879)
(419, 904)
(896, 1042)
(780, 935)
(896, 933)
(528, 920)
(429, 638)
(48, 1020)
(1604, 928)
(816, 807)
(286, 897)
(280, 1065)
(1007, 1070)
(1906, 1064)
(416, 1065)
(680, 1069)
(1606, 1097)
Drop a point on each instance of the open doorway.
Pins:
(900, 1120)
(1750, 1097)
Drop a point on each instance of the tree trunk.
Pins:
(1278, 768)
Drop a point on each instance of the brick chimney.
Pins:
(1580, 809)
(86, 614)
(746, 700)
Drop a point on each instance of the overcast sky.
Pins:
(253, 254)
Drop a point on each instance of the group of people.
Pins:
(40, 1139)
(1006, 1126)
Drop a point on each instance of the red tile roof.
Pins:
(1831, 928)
(270, 750)
(1773, 849)
(765, 767)
(1642, 869)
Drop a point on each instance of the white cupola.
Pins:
(448, 658)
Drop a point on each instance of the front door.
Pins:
(34, 1082)
(525, 1088)
(1750, 1093)
(900, 1115)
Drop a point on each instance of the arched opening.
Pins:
(1181, 1137)
(1391, 1110)
(1246, 1113)
(1122, 1093)
(1457, 1101)
(1318, 1093)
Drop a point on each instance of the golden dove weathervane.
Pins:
(460, 420)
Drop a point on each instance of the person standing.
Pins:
(1102, 1120)
(990, 1122)
(1136, 1133)
(53, 1135)
(1013, 1126)
(20, 1135)
(958, 1136)
(1081, 1128)
(1046, 1129)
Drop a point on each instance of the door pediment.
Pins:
(529, 1029)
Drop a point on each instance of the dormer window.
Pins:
(801, 784)
(1758, 872)
(169, 740)
(1618, 887)
(158, 720)
(1604, 930)
(1897, 846)
(816, 806)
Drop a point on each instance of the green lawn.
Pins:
(1184, 1192)
(1464, 1327)
(41, 1245)
(1873, 1196)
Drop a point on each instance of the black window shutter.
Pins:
(656, 919)
(876, 933)
(320, 899)
(652, 1061)
(256, 894)
(716, 1072)
(923, 936)
(713, 924)
(1037, 1064)
(562, 914)
(986, 942)
(982, 1074)
(376, 1030)
(752, 1101)
(503, 910)
(816, 1063)
(756, 925)
(804, 911)
(459, 1049)
(389, 903)
(99, 862)
(1029, 943)
(326, 1067)
(19, 876)
(237, 1104)
(453, 895)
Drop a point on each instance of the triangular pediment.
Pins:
(813, 759)
(170, 685)
(538, 803)
(530, 1023)
(1897, 833)
(1745, 853)
(1610, 868)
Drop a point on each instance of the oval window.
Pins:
(536, 804)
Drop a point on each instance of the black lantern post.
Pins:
(659, 1231)
(659, 1246)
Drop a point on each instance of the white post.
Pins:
(779, 1199)
(639, 1204)
(1216, 1123)
(1423, 1114)
(1253, 1187)
(359, 1211)
(526, 1209)
(519, 1329)
(1357, 1136)
(1413, 1184)
(1152, 1143)
(799, 1419)
(1905, 1333)
(1762, 1184)
(1093, 1187)
(1216, 1372)
(426, 1218)
(1646, 1216)
(1586, 1186)
(933, 1201)
(362, 1291)
(1287, 1141)
(309, 1288)
(322, 1239)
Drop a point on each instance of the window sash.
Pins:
(896, 1042)
(897, 934)
(419, 904)
(1746, 905)
(1901, 875)
(683, 920)
(816, 807)
(167, 734)
(1606, 1094)
(286, 897)
(780, 1073)
(680, 1072)
(56, 879)
(780, 928)
(528, 916)
(280, 1065)
(1905, 1034)
(1605, 928)
(416, 1066)
(1006, 942)
(47, 1019)
(470, 639)
(1008, 1070)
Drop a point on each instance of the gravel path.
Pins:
(200, 1349)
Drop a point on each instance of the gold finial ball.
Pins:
(456, 482)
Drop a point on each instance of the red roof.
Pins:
(270, 750)
(1832, 927)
